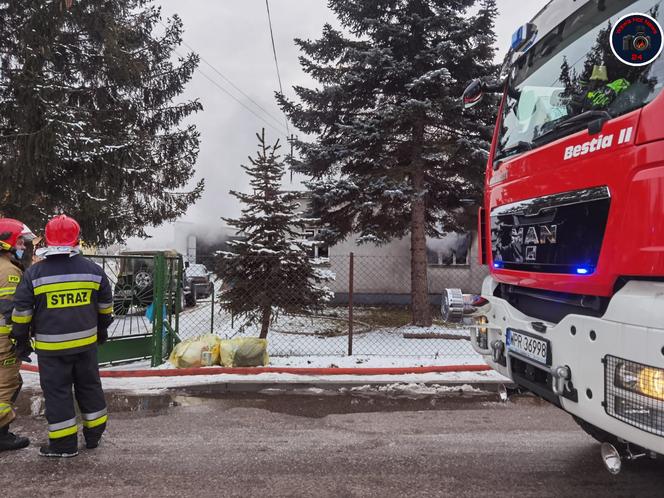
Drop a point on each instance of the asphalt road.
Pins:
(334, 446)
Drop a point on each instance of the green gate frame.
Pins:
(167, 305)
(167, 299)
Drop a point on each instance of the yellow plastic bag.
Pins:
(244, 352)
(200, 351)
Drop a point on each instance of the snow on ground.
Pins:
(397, 390)
(156, 384)
(364, 361)
(410, 390)
(328, 361)
(306, 342)
(315, 336)
(355, 361)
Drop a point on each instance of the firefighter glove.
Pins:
(22, 350)
(102, 335)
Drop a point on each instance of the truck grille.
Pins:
(542, 234)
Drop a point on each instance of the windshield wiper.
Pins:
(518, 147)
(594, 120)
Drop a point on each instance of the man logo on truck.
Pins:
(547, 234)
(533, 237)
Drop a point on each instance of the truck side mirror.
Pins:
(473, 94)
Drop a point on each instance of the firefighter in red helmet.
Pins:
(11, 251)
(67, 301)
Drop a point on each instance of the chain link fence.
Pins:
(368, 312)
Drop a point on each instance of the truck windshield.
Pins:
(572, 71)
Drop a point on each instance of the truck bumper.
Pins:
(202, 289)
(591, 349)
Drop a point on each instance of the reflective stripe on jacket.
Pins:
(65, 300)
(10, 276)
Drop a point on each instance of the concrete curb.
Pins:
(31, 403)
(297, 385)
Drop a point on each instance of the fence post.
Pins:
(212, 311)
(350, 304)
(179, 290)
(158, 309)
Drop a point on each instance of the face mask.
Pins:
(19, 253)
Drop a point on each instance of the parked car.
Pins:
(200, 278)
(135, 283)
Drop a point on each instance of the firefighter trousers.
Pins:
(10, 381)
(57, 376)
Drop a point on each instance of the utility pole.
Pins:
(291, 140)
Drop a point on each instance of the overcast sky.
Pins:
(233, 38)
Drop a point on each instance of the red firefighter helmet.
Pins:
(62, 231)
(10, 231)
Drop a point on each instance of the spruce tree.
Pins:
(393, 154)
(269, 272)
(89, 118)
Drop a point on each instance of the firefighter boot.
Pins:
(91, 444)
(53, 452)
(10, 441)
(93, 435)
(65, 447)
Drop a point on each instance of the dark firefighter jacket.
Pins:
(63, 301)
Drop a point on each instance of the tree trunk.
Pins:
(265, 322)
(419, 287)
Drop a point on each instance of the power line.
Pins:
(274, 52)
(237, 88)
(215, 83)
(234, 85)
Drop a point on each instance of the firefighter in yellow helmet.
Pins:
(12, 244)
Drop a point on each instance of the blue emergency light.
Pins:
(523, 37)
(582, 270)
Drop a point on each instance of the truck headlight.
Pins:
(651, 382)
(635, 393)
(479, 325)
(482, 332)
(641, 379)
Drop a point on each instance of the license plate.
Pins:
(529, 346)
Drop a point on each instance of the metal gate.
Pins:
(147, 301)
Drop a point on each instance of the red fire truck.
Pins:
(572, 226)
